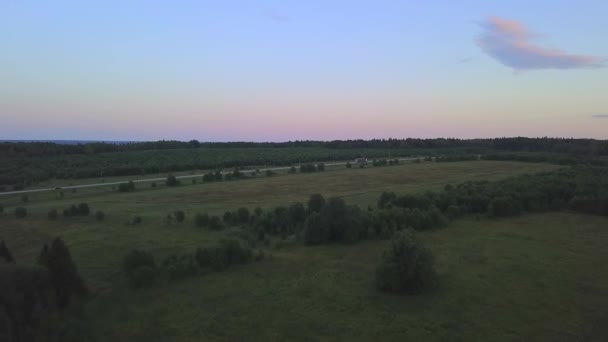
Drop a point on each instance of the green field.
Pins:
(535, 277)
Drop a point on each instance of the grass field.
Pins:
(112, 238)
(535, 277)
(532, 278)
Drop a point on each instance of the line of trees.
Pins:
(142, 270)
(27, 163)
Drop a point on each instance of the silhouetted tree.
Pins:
(171, 180)
(63, 272)
(5, 253)
(100, 215)
(179, 215)
(316, 202)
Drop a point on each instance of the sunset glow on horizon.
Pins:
(294, 70)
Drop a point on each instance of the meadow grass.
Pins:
(534, 277)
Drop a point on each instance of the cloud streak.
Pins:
(600, 116)
(511, 44)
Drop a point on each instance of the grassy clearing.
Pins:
(536, 277)
(99, 246)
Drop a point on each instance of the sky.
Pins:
(262, 70)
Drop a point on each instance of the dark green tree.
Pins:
(65, 278)
(316, 203)
(171, 180)
(5, 253)
(406, 266)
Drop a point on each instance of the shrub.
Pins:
(126, 187)
(227, 218)
(136, 259)
(135, 220)
(25, 199)
(229, 252)
(201, 220)
(171, 180)
(242, 215)
(504, 206)
(269, 173)
(316, 203)
(179, 266)
(321, 167)
(179, 215)
(407, 266)
(292, 170)
(142, 277)
(297, 213)
(315, 231)
(20, 212)
(83, 209)
(215, 223)
(100, 215)
(259, 256)
(6, 254)
(153, 185)
(52, 214)
(348, 165)
(307, 168)
(386, 199)
(1, 209)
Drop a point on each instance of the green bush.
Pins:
(83, 209)
(179, 215)
(504, 206)
(315, 230)
(136, 259)
(171, 180)
(242, 215)
(201, 220)
(229, 252)
(316, 203)
(6, 254)
(215, 223)
(126, 187)
(20, 212)
(179, 266)
(100, 215)
(406, 266)
(25, 199)
(135, 220)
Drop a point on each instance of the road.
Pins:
(162, 179)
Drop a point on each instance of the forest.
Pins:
(24, 164)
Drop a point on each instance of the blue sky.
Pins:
(281, 70)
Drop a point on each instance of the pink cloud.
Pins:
(511, 43)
